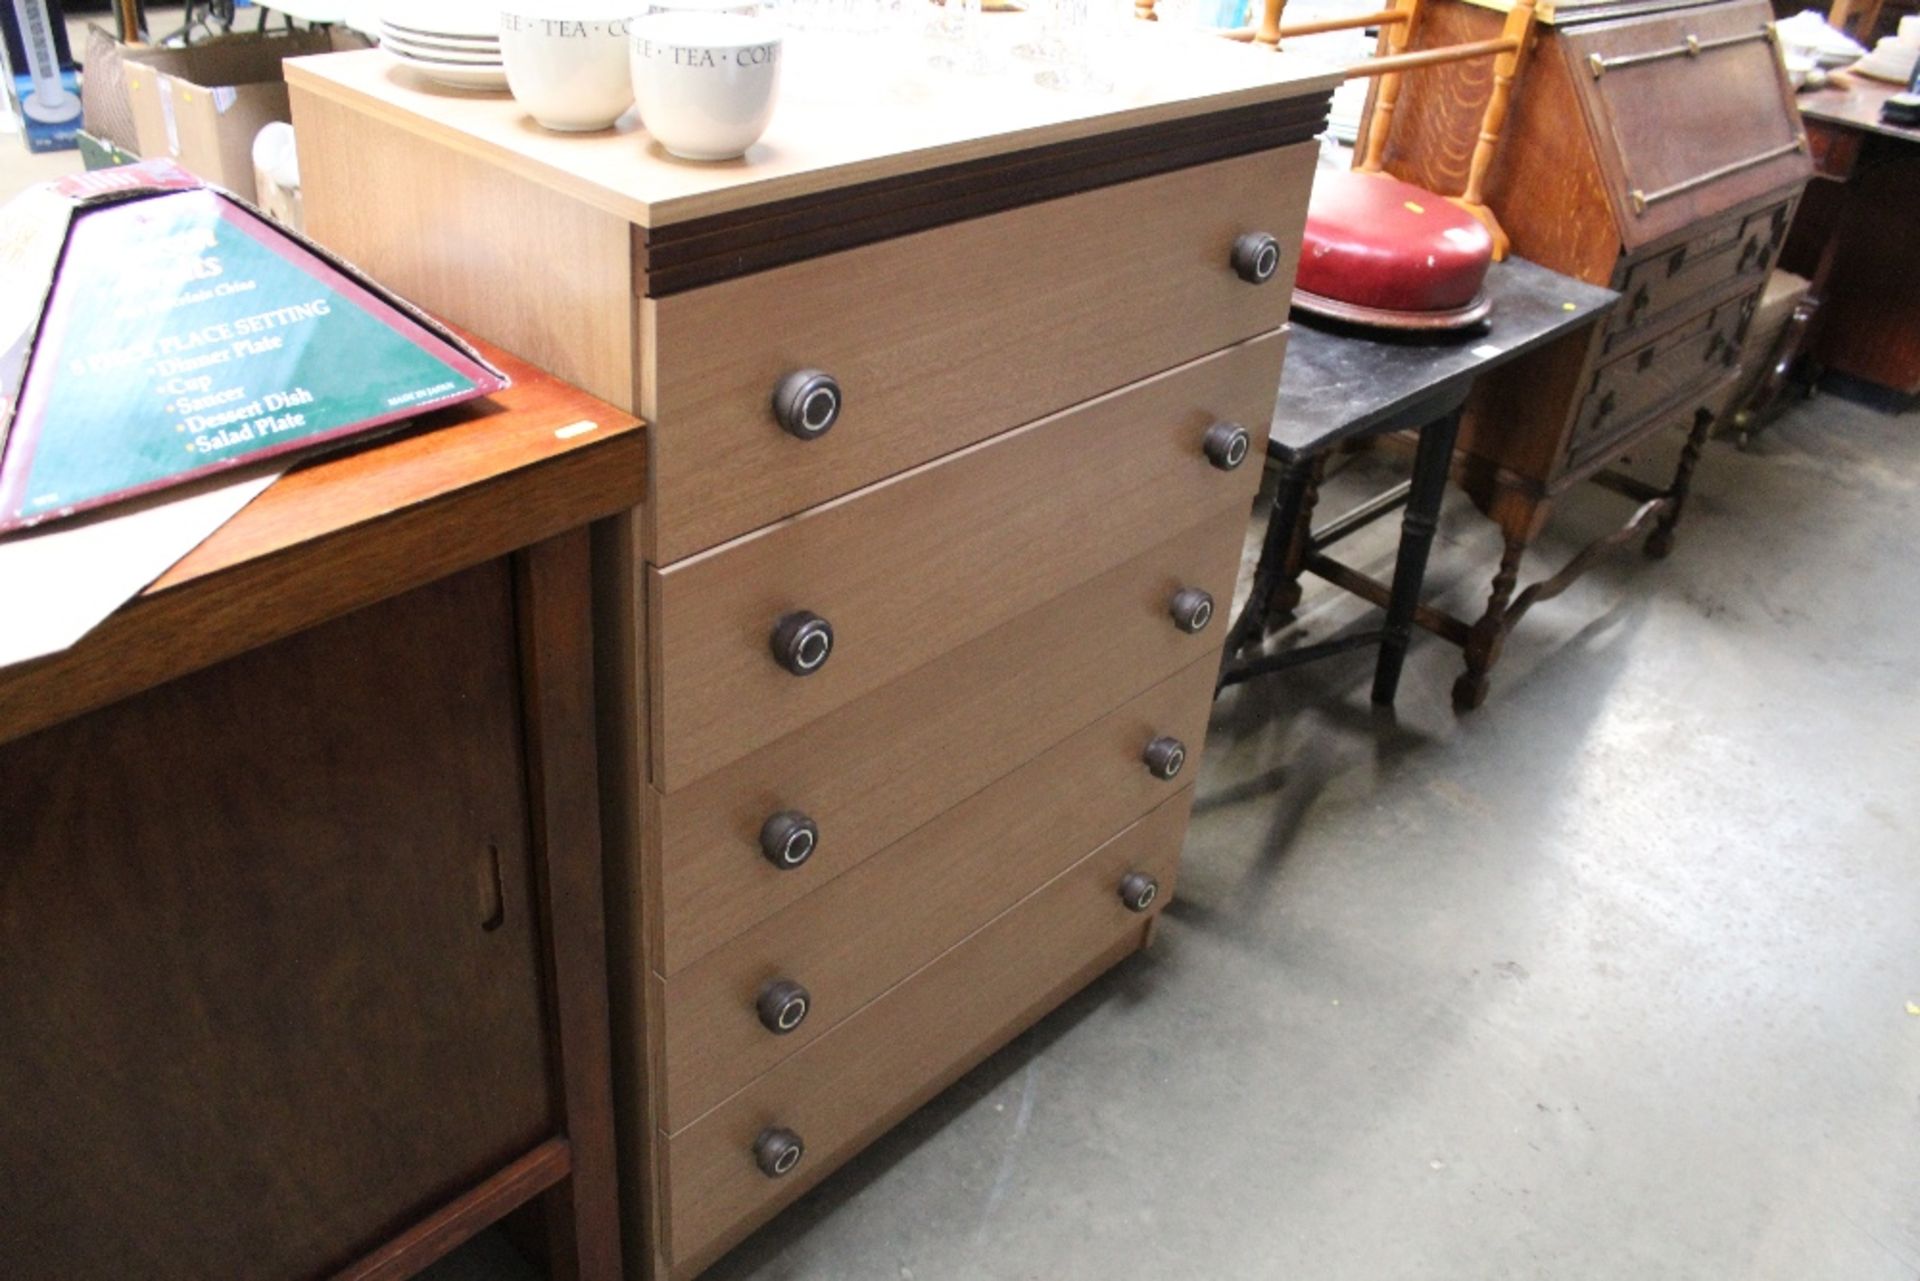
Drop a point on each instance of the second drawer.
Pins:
(757, 638)
(870, 772)
(746, 1006)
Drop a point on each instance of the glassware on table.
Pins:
(957, 31)
(1073, 72)
(1049, 43)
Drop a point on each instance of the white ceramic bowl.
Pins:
(567, 62)
(705, 82)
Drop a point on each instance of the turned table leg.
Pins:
(1277, 573)
(1520, 519)
(1284, 596)
(1417, 528)
(1660, 542)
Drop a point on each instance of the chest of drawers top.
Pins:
(851, 111)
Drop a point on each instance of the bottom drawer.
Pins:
(842, 1091)
(1657, 376)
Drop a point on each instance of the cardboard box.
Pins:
(202, 105)
(41, 83)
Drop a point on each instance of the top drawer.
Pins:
(949, 336)
(1656, 286)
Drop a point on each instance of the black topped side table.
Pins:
(1343, 383)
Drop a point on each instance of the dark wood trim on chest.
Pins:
(704, 251)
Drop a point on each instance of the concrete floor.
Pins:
(1610, 979)
(1607, 980)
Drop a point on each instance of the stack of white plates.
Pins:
(448, 41)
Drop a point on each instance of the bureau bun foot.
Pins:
(1469, 692)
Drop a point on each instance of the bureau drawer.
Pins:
(864, 1075)
(950, 336)
(1658, 374)
(865, 931)
(913, 567)
(1656, 286)
(876, 769)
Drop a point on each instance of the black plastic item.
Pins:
(1226, 445)
(1138, 891)
(783, 1006)
(776, 1151)
(802, 642)
(1903, 108)
(806, 403)
(788, 839)
(1164, 757)
(1192, 609)
(1256, 257)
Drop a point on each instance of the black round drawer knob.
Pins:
(1165, 757)
(1138, 891)
(788, 839)
(1256, 256)
(1226, 445)
(1192, 609)
(776, 1151)
(807, 403)
(802, 641)
(782, 1006)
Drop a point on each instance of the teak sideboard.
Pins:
(907, 656)
(1651, 146)
(301, 939)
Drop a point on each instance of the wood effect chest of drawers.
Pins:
(1650, 146)
(905, 664)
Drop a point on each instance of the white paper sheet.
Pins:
(57, 586)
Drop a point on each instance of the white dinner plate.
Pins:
(443, 18)
(455, 75)
(430, 54)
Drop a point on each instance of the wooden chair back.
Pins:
(1397, 22)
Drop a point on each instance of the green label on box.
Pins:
(186, 335)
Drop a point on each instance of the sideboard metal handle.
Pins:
(1691, 47)
(802, 642)
(788, 839)
(777, 1150)
(1256, 257)
(1164, 757)
(806, 403)
(782, 1006)
(1226, 445)
(1138, 891)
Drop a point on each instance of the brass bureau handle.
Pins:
(1256, 257)
(1192, 609)
(1138, 891)
(1226, 445)
(802, 642)
(782, 1006)
(788, 839)
(806, 403)
(1164, 757)
(776, 1151)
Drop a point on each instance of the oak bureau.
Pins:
(904, 662)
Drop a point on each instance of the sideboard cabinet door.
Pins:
(269, 967)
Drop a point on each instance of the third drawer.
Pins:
(913, 567)
(822, 958)
(873, 771)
